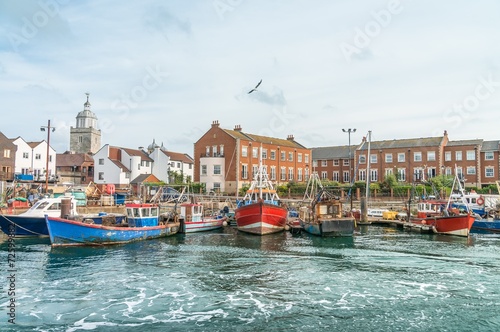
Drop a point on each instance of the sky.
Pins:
(166, 69)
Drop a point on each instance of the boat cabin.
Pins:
(269, 196)
(327, 209)
(430, 208)
(50, 207)
(142, 215)
(191, 212)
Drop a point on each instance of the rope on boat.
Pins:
(21, 227)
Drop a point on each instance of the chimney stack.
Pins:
(290, 138)
(215, 123)
(237, 128)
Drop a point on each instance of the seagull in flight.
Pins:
(255, 89)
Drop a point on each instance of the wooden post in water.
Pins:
(364, 211)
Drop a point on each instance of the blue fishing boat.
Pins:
(143, 222)
(486, 226)
(32, 222)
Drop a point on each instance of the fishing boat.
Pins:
(32, 222)
(440, 217)
(261, 212)
(192, 219)
(143, 222)
(324, 215)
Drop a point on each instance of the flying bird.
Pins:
(254, 89)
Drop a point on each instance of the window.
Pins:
(324, 163)
(290, 174)
(221, 149)
(458, 155)
(431, 155)
(50, 158)
(471, 170)
(336, 162)
(306, 158)
(388, 157)
(273, 154)
(207, 151)
(290, 156)
(203, 169)
(346, 176)
(264, 153)
(217, 187)
(283, 173)
(178, 165)
(417, 156)
(255, 152)
(362, 159)
(254, 170)
(362, 175)
(283, 156)
(147, 163)
(38, 156)
(346, 162)
(80, 139)
(299, 174)
(373, 175)
(101, 175)
(244, 171)
(217, 170)
(139, 167)
(244, 151)
(373, 158)
(315, 163)
(25, 155)
(488, 155)
(273, 173)
(447, 156)
(101, 161)
(299, 157)
(323, 175)
(489, 172)
(335, 176)
(401, 157)
(471, 155)
(214, 151)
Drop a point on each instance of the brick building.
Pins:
(415, 159)
(225, 159)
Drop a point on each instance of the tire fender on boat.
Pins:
(480, 200)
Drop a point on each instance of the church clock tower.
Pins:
(85, 138)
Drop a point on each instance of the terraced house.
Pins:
(414, 159)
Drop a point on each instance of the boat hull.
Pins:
(64, 232)
(203, 225)
(261, 218)
(485, 226)
(330, 228)
(459, 225)
(26, 226)
(23, 225)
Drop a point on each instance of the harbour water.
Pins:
(382, 279)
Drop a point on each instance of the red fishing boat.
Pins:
(442, 218)
(261, 212)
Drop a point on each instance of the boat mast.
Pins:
(260, 172)
(367, 189)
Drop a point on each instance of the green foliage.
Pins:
(197, 187)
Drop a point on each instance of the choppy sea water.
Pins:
(382, 279)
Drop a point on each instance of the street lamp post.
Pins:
(49, 129)
(349, 131)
